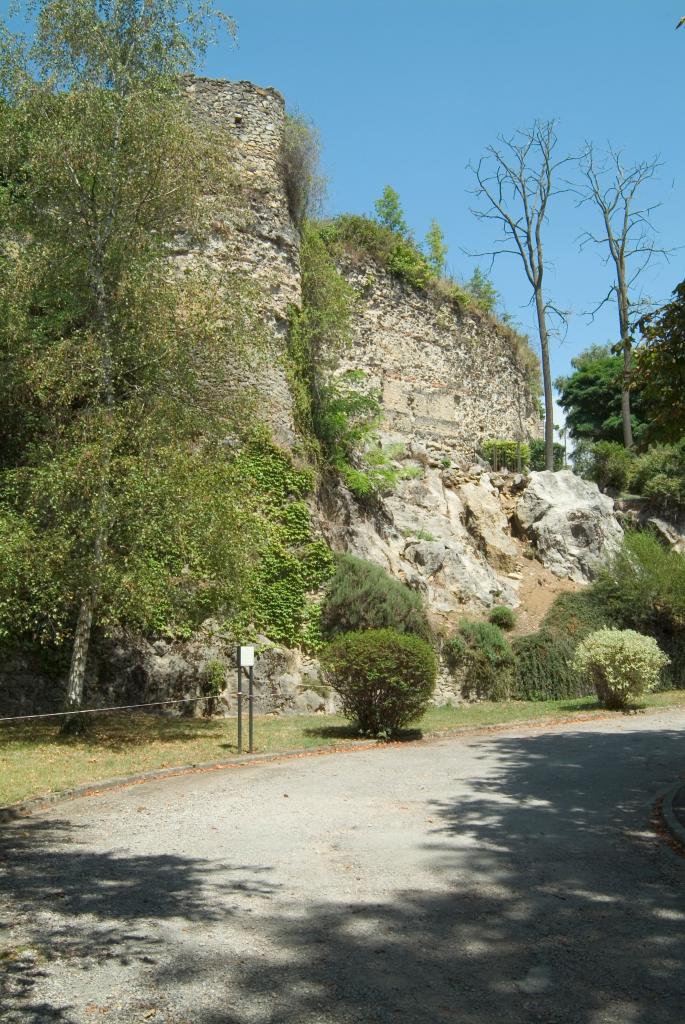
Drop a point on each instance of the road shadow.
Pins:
(549, 906)
(73, 906)
(544, 898)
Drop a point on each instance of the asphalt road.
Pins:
(505, 877)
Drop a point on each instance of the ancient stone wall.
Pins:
(252, 233)
(449, 379)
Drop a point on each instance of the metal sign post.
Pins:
(245, 660)
(250, 710)
(240, 701)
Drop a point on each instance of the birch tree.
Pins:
(515, 181)
(113, 465)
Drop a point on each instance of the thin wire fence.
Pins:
(127, 707)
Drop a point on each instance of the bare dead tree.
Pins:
(627, 236)
(516, 179)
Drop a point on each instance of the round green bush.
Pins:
(384, 679)
(503, 616)
(454, 651)
(483, 679)
(621, 664)
(362, 595)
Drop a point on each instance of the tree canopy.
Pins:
(660, 370)
(117, 490)
(591, 397)
(389, 212)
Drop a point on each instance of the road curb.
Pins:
(28, 807)
(38, 803)
(672, 822)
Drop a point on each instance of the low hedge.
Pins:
(543, 668)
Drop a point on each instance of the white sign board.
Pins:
(246, 655)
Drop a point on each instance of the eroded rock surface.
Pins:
(571, 523)
(434, 538)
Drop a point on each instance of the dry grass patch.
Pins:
(35, 760)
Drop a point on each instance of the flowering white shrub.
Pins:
(620, 663)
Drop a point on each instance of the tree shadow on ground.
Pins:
(114, 732)
(543, 898)
(75, 906)
(547, 905)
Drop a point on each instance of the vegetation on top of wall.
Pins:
(388, 242)
(300, 161)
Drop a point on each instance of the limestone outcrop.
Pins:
(571, 523)
(443, 533)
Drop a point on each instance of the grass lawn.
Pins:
(35, 760)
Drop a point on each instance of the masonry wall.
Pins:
(449, 379)
(252, 232)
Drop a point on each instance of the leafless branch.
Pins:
(514, 182)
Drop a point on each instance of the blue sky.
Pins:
(407, 92)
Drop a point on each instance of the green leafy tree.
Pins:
(482, 290)
(389, 212)
(660, 370)
(436, 248)
(115, 490)
(591, 397)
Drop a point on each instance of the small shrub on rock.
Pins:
(611, 465)
(362, 595)
(543, 668)
(503, 616)
(488, 638)
(455, 651)
(384, 679)
(660, 475)
(621, 664)
(487, 662)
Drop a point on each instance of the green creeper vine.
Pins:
(336, 415)
(281, 593)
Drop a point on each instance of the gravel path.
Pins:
(506, 877)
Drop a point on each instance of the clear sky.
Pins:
(406, 93)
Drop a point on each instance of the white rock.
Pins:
(571, 523)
